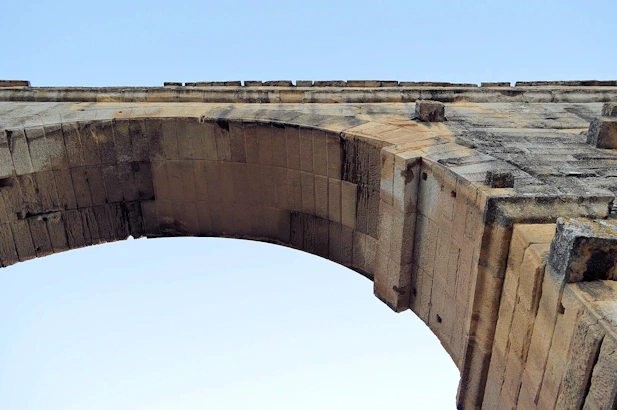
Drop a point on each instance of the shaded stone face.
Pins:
(584, 250)
(603, 133)
(457, 220)
(430, 111)
(609, 110)
(497, 179)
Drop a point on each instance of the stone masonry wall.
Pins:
(555, 342)
(76, 184)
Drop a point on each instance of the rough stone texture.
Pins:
(454, 220)
(430, 111)
(603, 133)
(584, 250)
(499, 179)
(14, 83)
(609, 110)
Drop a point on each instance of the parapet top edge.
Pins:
(342, 84)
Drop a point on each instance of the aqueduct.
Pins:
(494, 224)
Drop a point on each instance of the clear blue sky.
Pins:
(222, 324)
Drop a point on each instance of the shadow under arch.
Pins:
(188, 174)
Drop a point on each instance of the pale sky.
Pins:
(194, 323)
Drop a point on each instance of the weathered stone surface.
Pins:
(603, 133)
(584, 250)
(14, 83)
(499, 179)
(609, 110)
(451, 219)
(585, 83)
(430, 111)
(495, 84)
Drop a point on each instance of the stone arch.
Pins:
(380, 206)
(371, 196)
(78, 183)
(428, 211)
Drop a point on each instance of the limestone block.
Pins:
(334, 200)
(89, 133)
(430, 111)
(14, 83)
(495, 84)
(268, 184)
(139, 140)
(208, 216)
(279, 145)
(307, 182)
(531, 275)
(499, 179)
(38, 147)
(251, 143)
(336, 83)
(40, 236)
(346, 245)
(335, 248)
(542, 335)
(511, 383)
(213, 181)
(23, 240)
(203, 217)
(425, 243)
(467, 259)
(603, 133)
(74, 229)
(8, 253)
(184, 140)
(154, 132)
(294, 187)
(306, 151)
(603, 390)
(584, 250)
(239, 174)
(94, 178)
(169, 141)
(19, 151)
(278, 83)
(585, 349)
(228, 190)
(81, 187)
(223, 142)
(363, 83)
(559, 350)
(45, 187)
(348, 204)
(335, 157)
(359, 250)
(609, 109)
(320, 153)
(405, 181)
(551, 383)
(57, 232)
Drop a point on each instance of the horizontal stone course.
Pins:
(14, 83)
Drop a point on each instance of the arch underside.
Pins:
(324, 188)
